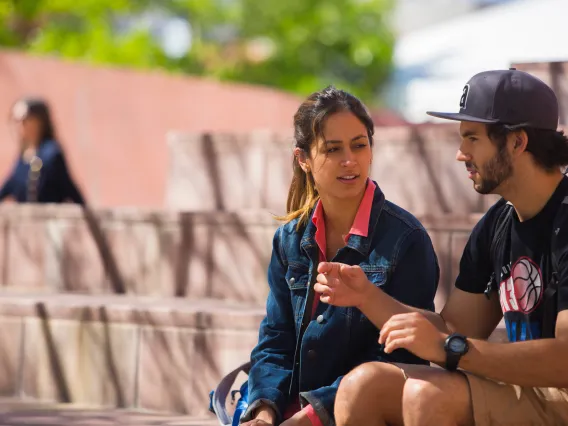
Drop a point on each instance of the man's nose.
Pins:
(461, 156)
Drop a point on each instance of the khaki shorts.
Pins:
(497, 403)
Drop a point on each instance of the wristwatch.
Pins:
(455, 346)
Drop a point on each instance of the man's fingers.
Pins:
(391, 325)
(328, 268)
(327, 280)
(400, 343)
(322, 288)
(322, 279)
(396, 334)
(350, 271)
(326, 293)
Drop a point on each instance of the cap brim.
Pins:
(460, 117)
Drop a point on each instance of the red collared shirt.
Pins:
(360, 227)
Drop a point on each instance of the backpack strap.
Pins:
(551, 293)
(500, 233)
(550, 301)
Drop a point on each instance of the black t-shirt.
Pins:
(526, 266)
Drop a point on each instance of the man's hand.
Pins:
(342, 285)
(415, 333)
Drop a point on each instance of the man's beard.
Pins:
(494, 173)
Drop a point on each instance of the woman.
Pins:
(335, 212)
(40, 174)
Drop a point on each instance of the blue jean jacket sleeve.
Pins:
(414, 283)
(272, 358)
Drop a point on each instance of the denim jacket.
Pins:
(397, 256)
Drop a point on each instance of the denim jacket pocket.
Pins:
(376, 274)
(297, 278)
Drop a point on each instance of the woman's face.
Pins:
(26, 127)
(341, 160)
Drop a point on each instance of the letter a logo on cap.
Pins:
(463, 99)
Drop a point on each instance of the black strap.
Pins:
(306, 318)
(499, 238)
(310, 298)
(550, 300)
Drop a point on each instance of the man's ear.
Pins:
(302, 158)
(520, 141)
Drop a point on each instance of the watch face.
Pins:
(457, 345)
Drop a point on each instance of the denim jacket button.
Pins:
(292, 281)
(312, 354)
(319, 319)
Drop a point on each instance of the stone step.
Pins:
(415, 166)
(63, 248)
(128, 352)
(163, 355)
(18, 412)
(219, 255)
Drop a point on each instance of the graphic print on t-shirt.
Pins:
(527, 257)
(522, 290)
(520, 294)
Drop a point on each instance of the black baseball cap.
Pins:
(510, 97)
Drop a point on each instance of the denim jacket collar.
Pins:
(355, 242)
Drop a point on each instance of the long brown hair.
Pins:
(308, 127)
(39, 108)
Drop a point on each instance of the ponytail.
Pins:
(302, 197)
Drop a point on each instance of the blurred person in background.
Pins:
(336, 212)
(40, 173)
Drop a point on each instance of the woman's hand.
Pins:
(263, 416)
(257, 422)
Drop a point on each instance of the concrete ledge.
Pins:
(17, 412)
(122, 351)
(125, 352)
(415, 166)
(215, 255)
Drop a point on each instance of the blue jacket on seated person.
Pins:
(397, 256)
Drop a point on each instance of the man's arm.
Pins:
(467, 310)
(472, 314)
(534, 363)
(467, 313)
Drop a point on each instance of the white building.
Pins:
(432, 64)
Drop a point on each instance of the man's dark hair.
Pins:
(549, 148)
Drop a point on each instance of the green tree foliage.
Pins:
(296, 45)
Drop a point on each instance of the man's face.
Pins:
(487, 164)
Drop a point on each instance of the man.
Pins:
(515, 265)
